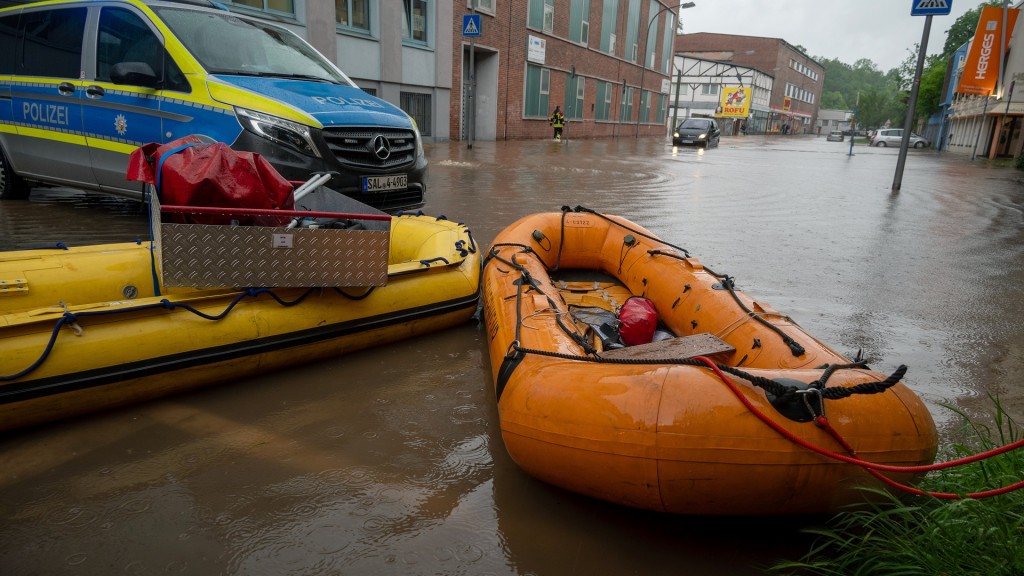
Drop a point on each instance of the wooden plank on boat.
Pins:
(703, 344)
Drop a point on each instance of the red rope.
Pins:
(872, 467)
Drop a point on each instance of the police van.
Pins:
(83, 83)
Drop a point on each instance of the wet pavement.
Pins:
(390, 461)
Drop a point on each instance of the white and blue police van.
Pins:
(83, 83)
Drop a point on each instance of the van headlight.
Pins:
(275, 129)
(419, 139)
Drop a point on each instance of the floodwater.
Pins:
(390, 461)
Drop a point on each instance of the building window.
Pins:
(541, 15)
(484, 5)
(538, 86)
(417, 106)
(579, 21)
(609, 18)
(633, 30)
(645, 106)
(626, 109)
(414, 26)
(574, 97)
(709, 89)
(603, 108)
(353, 14)
(286, 6)
(370, 91)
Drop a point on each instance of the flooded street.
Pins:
(390, 461)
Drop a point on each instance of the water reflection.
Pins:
(390, 460)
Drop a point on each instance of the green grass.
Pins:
(899, 535)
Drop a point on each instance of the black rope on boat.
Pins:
(561, 238)
(355, 298)
(770, 386)
(623, 226)
(71, 319)
(437, 259)
(727, 282)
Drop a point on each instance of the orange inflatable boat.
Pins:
(731, 409)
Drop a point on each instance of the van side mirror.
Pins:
(134, 74)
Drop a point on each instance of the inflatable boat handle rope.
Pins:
(728, 283)
(71, 318)
(516, 352)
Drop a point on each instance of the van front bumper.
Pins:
(348, 180)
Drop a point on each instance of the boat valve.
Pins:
(629, 240)
(539, 238)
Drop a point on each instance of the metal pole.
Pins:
(999, 83)
(675, 107)
(977, 137)
(908, 124)
(1002, 52)
(472, 82)
(853, 123)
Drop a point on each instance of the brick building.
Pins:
(798, 79)
(586, 56)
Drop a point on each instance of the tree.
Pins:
(834, 101)
(929, 94)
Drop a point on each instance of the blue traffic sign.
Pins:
(471, 25)
(931, 7)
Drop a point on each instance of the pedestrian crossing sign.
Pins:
(471, 25)
(931, 7)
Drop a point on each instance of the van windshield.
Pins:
(226, 44)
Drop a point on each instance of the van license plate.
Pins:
(384, 183)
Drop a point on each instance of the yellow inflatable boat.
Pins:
(733, 410)
(83, 329)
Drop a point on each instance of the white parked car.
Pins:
(894, 136)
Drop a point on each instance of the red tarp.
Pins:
(211, 174)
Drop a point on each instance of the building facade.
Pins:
(987, 126)
(829, 120)
(798, 79)
(697, 87)
(605, 63)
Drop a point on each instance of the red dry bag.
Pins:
(637, 321)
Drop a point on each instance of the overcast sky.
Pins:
(880, 30)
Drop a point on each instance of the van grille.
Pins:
(354, 147)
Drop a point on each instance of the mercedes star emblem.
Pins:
(381, 147)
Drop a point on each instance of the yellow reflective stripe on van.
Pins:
(57, 134)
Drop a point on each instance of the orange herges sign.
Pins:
(982, 65)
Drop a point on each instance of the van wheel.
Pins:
(12, 187)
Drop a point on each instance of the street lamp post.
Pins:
(643, 65)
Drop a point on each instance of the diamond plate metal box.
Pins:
(208, 256)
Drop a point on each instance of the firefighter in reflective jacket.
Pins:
(557, 121)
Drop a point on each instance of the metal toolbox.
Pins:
(225, 255)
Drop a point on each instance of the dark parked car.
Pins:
(697, 132)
